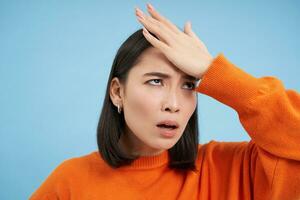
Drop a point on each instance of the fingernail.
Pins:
(139, 11)
(150, 6)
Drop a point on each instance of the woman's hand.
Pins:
(184, 49)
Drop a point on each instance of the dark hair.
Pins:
(111, 124)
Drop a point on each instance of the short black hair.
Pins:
(111, 124)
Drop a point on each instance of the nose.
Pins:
(171, 102)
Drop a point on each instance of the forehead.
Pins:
(153, 62)
(154, 59)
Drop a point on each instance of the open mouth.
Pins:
(170, 127)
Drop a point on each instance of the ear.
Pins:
(116, 92)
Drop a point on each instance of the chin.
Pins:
(164, 145)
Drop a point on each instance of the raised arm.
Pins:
(267, 167)
(269, 113)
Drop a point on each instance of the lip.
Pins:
(168, 133)
(169, 122)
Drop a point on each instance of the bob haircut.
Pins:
(111, 124)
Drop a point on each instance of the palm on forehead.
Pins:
(183, 48)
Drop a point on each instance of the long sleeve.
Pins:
(270, 162)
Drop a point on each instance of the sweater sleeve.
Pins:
(270, 114)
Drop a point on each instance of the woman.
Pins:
(148, 135)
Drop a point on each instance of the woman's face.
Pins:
(150, 99)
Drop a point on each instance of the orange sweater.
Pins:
(267, 167)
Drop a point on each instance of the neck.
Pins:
(135, 147)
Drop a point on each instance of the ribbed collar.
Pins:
(149, 162)
(143, 162)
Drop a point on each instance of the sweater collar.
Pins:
(148, 162)
(143, 162)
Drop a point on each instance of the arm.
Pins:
(269, 113)
(270, 162)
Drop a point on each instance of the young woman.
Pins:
(148, 130)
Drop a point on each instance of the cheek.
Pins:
(140, 108)
(189, 107)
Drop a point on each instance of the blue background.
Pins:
(55, 57)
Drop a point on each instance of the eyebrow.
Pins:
(163, 75)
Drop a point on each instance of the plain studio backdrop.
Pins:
(55, 58)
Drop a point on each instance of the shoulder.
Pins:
(75, 166)
(71, 175)
(219, 149)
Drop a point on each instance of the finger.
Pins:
(156, 15)
(155, 27)
(154, 41)
(188, 30)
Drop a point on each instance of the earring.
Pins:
(119, 108)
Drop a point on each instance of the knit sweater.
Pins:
(266, 167)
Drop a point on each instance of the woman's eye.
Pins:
(155, 81)
(190, 85)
